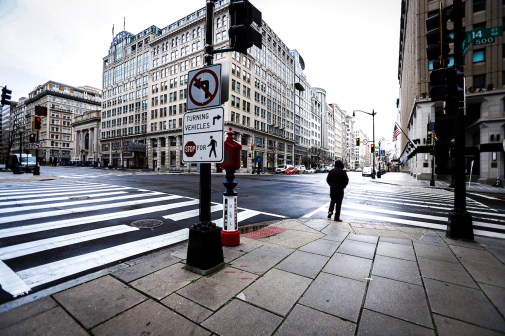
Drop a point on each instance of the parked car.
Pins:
(280, 169)
(309, 171)
(367, 171)
(301, 168)
(291, 171)
(28, 162)
(323, 169)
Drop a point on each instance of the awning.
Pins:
(491, 147)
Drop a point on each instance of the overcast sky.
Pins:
(350, 47)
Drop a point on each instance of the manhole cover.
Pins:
(79, 198)
(146, 223)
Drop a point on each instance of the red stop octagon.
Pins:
(190, 149)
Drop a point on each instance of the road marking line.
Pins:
(46, 273)
(21, 230)
(191, 213)
(23, 249)
(11, 282)
(79, 202)
(53, 213)
(56, 189)
(78, 191)
(394, 220)
(53, 199)
(484, 196)
(391, 212)
(322, 208)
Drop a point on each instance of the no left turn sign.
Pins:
(204, 87)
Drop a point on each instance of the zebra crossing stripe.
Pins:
(26, 229)
(71, 203)
(53, 199)
(191, 213)
(38, 215)
(56, 193)
(23, 249)
(37, 191)
(11, 282)
(47, 273)
(392, 212)
(393, 220)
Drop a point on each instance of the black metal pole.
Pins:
(373, 140)
(36, 170)
(205, 252)
(460, 220)
(432, 181)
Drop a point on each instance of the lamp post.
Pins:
(373, 136)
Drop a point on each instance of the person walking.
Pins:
(337, 179)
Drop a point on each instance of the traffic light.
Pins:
(32, 137)
(438, 37)
(357, 142)
(6, 96)
(429, 139)
(37, 123)
(242, 35)
(372, 148)
(439, 84)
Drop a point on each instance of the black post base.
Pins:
(205, 252)
(36, 170)
(460, 225)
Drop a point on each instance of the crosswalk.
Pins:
(51, 231)
(414, 207)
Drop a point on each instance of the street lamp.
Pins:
(373, 136)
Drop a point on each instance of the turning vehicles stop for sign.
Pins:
(203, 136)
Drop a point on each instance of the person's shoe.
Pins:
(330, 214)
(337, 220)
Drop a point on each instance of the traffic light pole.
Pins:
(460, 220)
(205, 252)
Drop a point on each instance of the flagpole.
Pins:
(405, 135)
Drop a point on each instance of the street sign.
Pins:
(481, 36)
(365, 141)
(204, 87)
(203, 135)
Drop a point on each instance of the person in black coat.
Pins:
(337, 179)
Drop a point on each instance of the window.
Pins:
(479, 81)
(479, 56)
(479, 5)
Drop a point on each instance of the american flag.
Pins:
(396, 133)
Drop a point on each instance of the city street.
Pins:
(71, 221)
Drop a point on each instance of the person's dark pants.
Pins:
(336, 197)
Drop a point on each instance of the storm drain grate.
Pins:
(146, 223)
(264, 232)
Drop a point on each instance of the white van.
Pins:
(367, 171)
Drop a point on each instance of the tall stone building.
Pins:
(271, 107)
(63, 102)
(484, 90)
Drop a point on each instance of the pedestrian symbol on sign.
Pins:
(213, 144)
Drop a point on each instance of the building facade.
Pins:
(484, 91)
(63, 102)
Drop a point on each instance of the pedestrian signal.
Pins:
(372, 148)
(357, 142)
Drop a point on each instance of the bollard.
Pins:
(230, 236)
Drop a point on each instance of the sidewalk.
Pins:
(293, 277)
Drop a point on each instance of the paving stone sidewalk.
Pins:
(301, 277)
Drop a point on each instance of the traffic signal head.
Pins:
(37, 123)
(6, 96)
(372, 148)
(438, 37)
(429, 139)
(357, 142)
(32, 137)
(242, 35)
